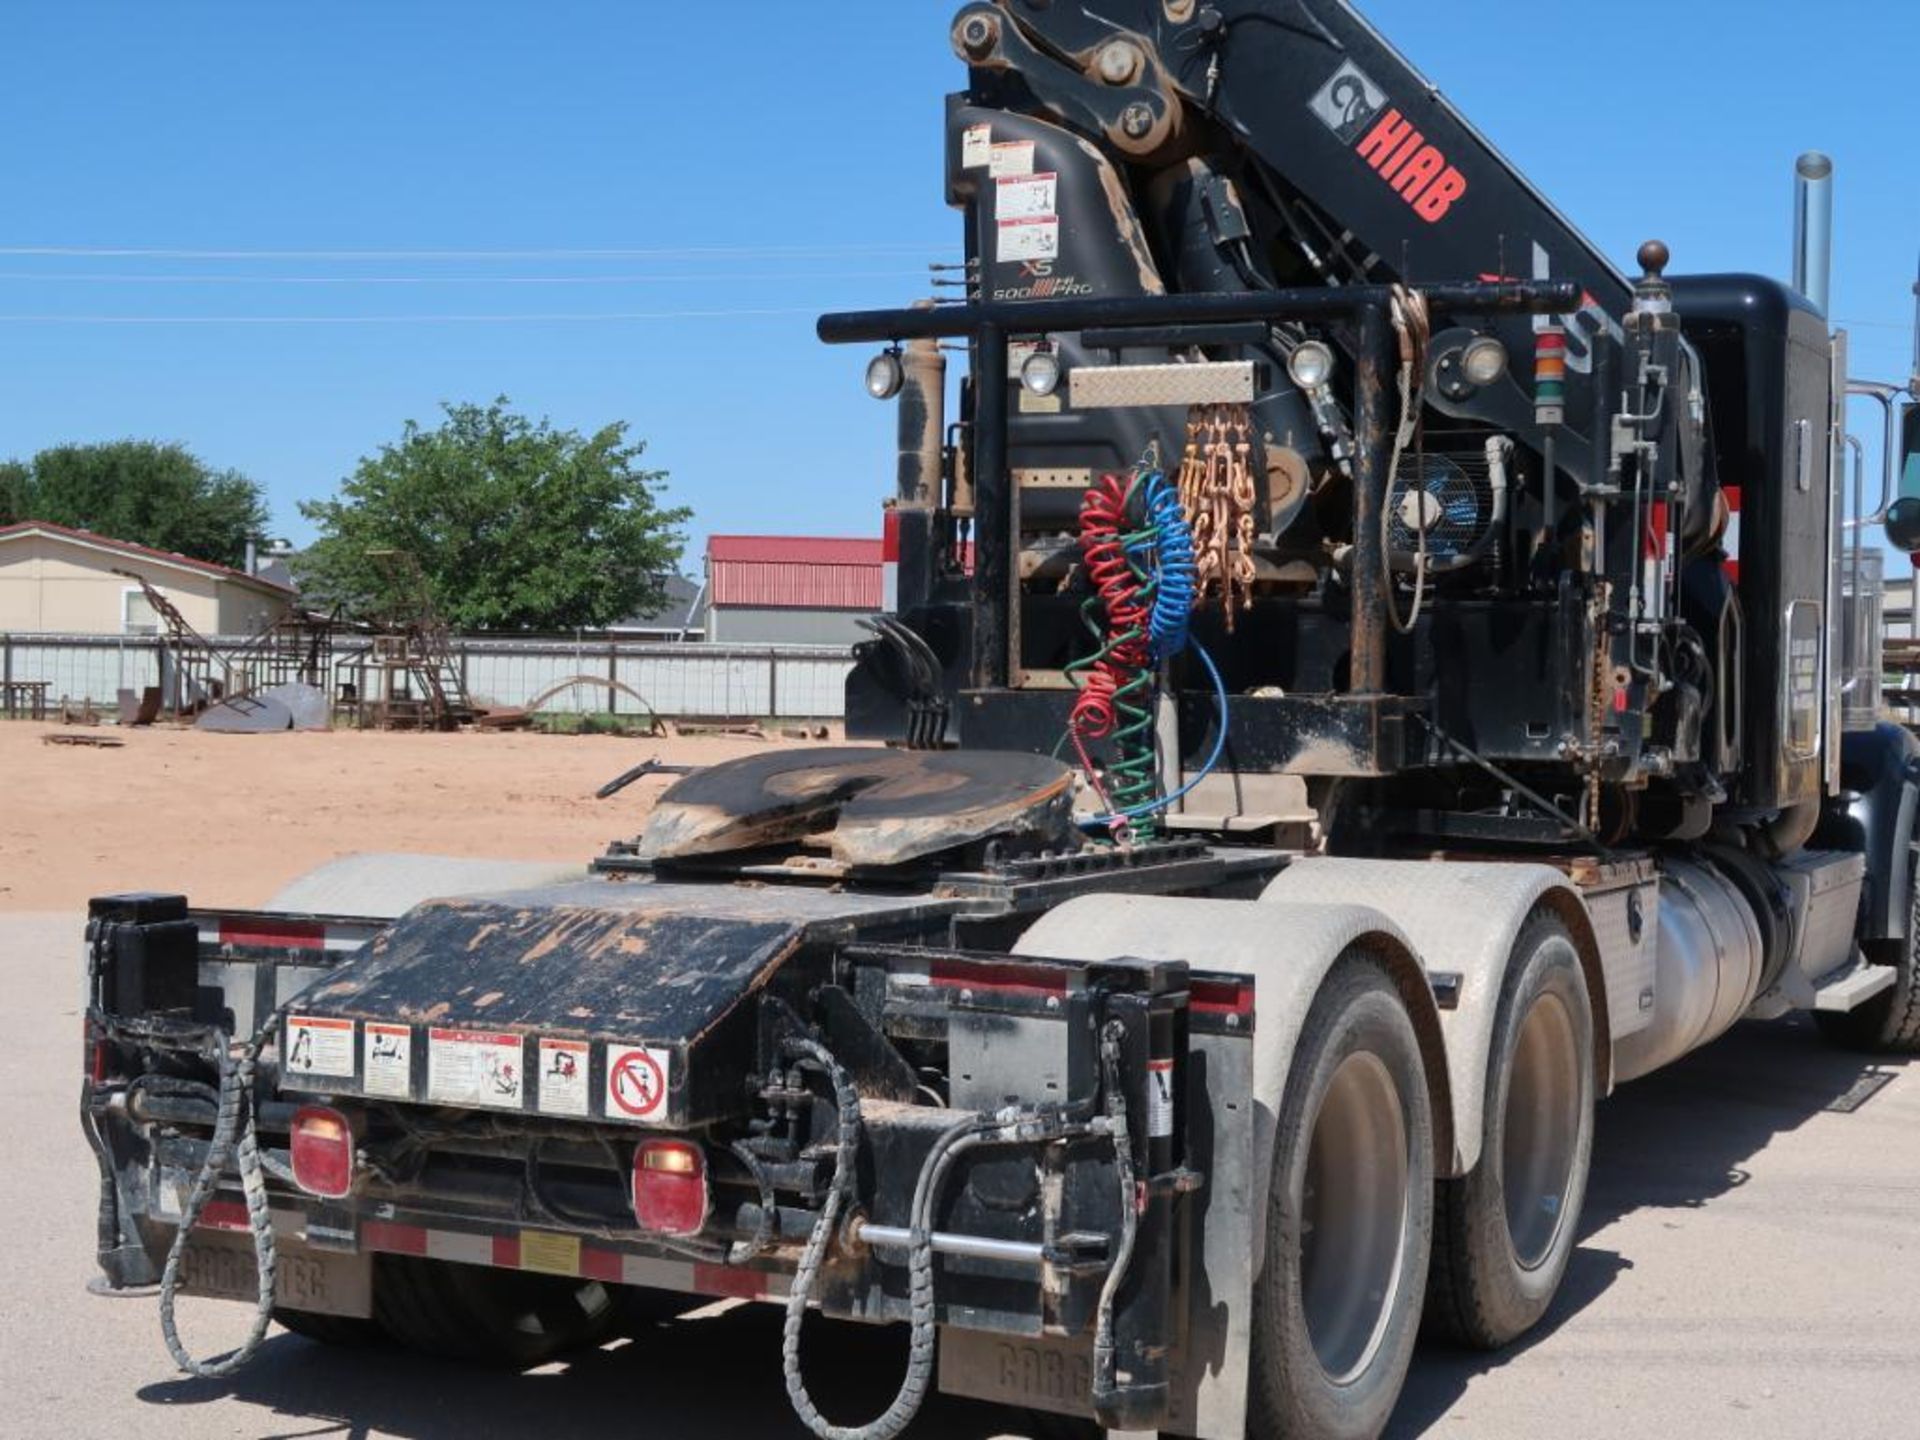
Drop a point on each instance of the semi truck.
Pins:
(1364, 682)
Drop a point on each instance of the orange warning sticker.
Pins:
(319, 1046)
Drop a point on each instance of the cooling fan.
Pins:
(1444, 501)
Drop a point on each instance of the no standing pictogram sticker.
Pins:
(637, 1078)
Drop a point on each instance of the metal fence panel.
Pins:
(81, 668)
(730, 681)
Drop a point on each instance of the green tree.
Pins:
(143, 491)
(515, 525)
(16, 480)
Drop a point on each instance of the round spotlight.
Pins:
(1310, 365)
(1040, 372)
(1483, 361)
(885, 375)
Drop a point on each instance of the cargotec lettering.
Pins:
(1418, 172)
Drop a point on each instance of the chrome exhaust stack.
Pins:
(1813, 227)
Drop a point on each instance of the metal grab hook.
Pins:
(1217, 493)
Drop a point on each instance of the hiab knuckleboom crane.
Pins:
(1305, 454)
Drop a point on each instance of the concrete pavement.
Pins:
(1750, 1270)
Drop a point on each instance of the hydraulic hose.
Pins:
(920, 1350)
(1411, 323)
(233, 1136)
(1219, 746)
(968, 1130)
(1103, 1347)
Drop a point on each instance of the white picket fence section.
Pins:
(723, 681)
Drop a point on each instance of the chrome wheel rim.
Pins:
(1542, 1129)
(1353, 1213)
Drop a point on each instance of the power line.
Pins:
(532, 317)
(549, 253)
(736, 278)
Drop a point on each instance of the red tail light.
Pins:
(322, 1151)
(670, 1187)
(99, 1053)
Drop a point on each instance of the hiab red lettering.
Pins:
(1418, 172)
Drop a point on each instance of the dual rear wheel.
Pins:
(1505, 1231)
(1362, 1241)
(1349, 1216)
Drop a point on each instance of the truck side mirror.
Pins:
(1903, 524)
(1903, 516)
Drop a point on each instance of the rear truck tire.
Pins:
(1504, 1232)
(1336, 1307)
(348, 1331)
(504, 1318)
(1889, 1023)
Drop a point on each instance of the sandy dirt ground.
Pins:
(1749, 1256)
(229, 819)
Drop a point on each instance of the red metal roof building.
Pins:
(788, 572)
(792, 589)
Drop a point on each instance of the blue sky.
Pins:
(748, 165)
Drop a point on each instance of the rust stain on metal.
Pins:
(487, 999)
(1126, 220)
(865, 806)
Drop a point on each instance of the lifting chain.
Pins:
(1217, 493)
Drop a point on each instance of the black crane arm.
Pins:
(1320, 154)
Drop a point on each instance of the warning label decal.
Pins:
(562, 1086)
(1028, 240)
(976, 146)
(637, 1079)
(475, 1067)
(387, 1060)
(1012, 157)
(319, 1047)
(1026, 197)
(1159, 1098)
(548, 1253)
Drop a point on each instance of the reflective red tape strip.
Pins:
(394, 1239)
(258, 930)
(733, 1283)
(1731, 540)
(224, 1215)
(1000, 979)
(1654, 544)
(601, 1265)
(1219, 997)
(702, 1278)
